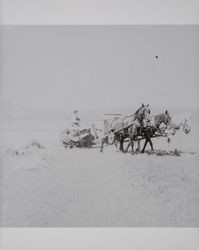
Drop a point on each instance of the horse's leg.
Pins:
(169, 143)
(132, 147)
(138, 147)
(148, 135)
(132, 144)
(127, 148)
(151, 144)
(146, 141)
(121, 143)
(102, 145)
(115, 142)
(132, 138)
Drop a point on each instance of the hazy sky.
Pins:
(99, 12)
(84, 67)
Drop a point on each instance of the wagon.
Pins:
(77, 138)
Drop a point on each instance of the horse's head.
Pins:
(178, 122)
(186, 125)
(166, 118)
(163, 121)
(182, 121)
(143, 114)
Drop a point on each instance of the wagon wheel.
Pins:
(88, 144)
(111, 138)
(71, 144)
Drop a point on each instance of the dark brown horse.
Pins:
(148, 131)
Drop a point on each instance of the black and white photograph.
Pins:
(99, 126)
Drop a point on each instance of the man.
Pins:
(75, 120)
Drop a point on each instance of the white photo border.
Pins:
(103, 12)
(99, 12)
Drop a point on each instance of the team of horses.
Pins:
(132, 128)
(142, 125)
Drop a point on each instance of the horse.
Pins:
(140, 119)
(180, 122)
(149, 130)
(108, 136)
(119, 127)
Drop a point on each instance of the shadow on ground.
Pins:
(175, 152)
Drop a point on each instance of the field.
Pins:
(46, 185)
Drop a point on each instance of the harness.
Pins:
(184, 125)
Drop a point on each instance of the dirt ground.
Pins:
(46, 185)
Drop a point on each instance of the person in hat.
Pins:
(75, 120)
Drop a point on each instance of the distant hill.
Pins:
(102, 113)
(10, 111)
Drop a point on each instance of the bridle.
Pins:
(185, 126)
(162, 120)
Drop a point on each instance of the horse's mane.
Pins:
(158, 119)
(160, 115)
(137, 112)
